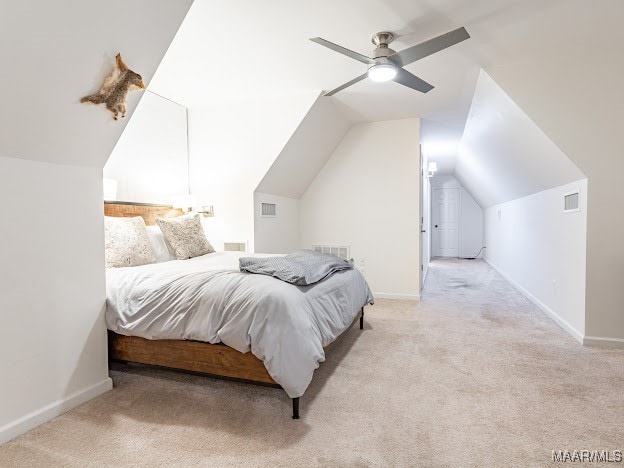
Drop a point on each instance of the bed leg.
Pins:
(295, 408)
(362, 319)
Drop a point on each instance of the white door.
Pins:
(445, 233)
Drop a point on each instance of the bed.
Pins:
(204, 315)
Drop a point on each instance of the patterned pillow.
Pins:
(186, 236)
(126, 242)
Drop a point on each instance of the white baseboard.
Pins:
(578, 336)
(603, 342)
(42, 415)
(400, 297)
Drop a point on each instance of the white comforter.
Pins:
(208, 299)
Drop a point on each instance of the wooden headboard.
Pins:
(146, 211)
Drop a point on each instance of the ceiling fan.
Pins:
(386, 64)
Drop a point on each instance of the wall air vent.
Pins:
(571, 202)
(268, 210)
(235, 246)
(341, 251)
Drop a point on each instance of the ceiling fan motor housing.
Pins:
(383, 37)
(382, 51)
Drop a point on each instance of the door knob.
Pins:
(436, 225)
(422, 230)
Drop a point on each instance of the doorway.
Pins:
(445, 222)
(425, 221)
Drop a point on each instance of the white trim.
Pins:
(400, 297)
(460, 249)
(603, 341)
(56, 408)
(578, 336)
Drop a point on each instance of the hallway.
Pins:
(534, 387)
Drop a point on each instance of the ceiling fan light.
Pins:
(382, 72)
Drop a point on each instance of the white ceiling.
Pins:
(307, 151)
(53, 53)
(245, 47)
(503, 154)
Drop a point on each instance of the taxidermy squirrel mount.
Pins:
(115, 89)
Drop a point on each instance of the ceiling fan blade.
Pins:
(412, 81)
(343, 51)
(346, 85)
(424, 49)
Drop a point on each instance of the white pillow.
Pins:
(186, 236)
(162, 250)
(126, 242)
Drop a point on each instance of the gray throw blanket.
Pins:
(301, 268)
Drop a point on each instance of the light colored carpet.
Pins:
(473, 375)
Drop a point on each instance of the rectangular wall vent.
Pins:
(342, 251)
(269, 209)
(571, 202)
(235, 246)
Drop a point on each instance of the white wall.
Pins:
(52, 285)
(471, 237)
(292, 172)
(232, 144)
(53, 346)
(586, 125)
(278, 234)
(150, 160)
(542, 251)
(367, 196)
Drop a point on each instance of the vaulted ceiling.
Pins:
(245, 47)
(307, 150)
(53, 53)
(503, 154)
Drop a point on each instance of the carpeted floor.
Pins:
(473, 375)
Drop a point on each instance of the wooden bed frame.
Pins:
(216, 360)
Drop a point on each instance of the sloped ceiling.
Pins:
(55, 52)
(249, 48)
(576, 96)
(232, 145)
(307, 150)
(503, 154)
